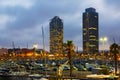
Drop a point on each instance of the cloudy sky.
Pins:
(21, 20)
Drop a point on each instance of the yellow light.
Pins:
(104, 39)
(29, 54)
(35, 45)
(36, 55)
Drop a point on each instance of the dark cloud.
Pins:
(27, 26)
(113, 3)
(71, 31)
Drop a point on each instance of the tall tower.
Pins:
(90, 31)
(56, 35)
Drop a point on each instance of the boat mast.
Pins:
(44, 49)
(43, 38)
(13, 45)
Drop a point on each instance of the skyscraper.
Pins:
(90, 31)
(56, 35)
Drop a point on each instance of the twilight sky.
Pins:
(21, 21)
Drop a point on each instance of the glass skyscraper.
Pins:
(56, 35)
(90, 31)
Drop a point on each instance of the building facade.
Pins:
(56, 35)
(90, 31)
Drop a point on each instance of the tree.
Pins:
(114, 48)
(70, 50)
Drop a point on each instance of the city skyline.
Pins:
(21, 22)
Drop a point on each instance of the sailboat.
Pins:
(21, 71)
(40, 75)
(34, 74)
(44, 53)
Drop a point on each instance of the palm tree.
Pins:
(70, 51)
(114, 48)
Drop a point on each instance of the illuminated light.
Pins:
(29, 54)
(93, 28)
(92, 39)
(51, 55)
(92, 36)
(119, 59)
(36, 54)
(84, 33)
(95, 16)
(10, 55)
(84, 29)
(22, 55)
(35, 45)
(91, 45)
(103, 39)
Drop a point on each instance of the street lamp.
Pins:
(35, 46)
(103, 40)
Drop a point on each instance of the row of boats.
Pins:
(6, 73)
(12, 69)
(29, 69)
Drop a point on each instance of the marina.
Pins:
(38, 71)
(59, 40)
